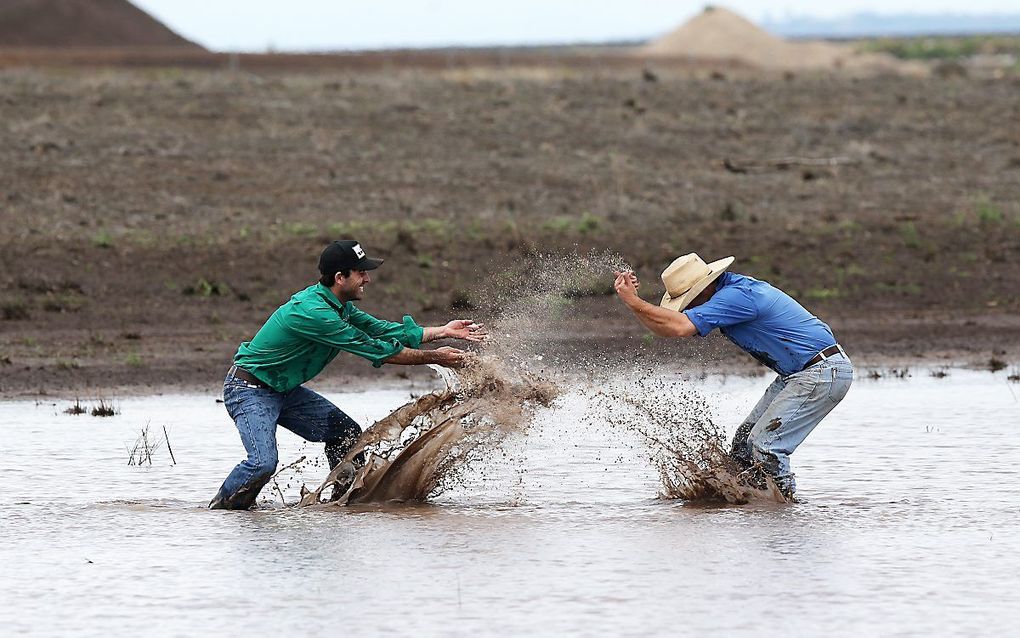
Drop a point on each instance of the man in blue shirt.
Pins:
(814, 373)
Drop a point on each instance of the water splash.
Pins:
(409, 454)
(686, 447)
(422, 446)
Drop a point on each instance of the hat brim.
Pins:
(715, 268)
(367, 263)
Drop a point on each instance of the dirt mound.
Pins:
(82, 23)
(723, 35)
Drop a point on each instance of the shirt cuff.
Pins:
(378, 361)
(699, 323)
(413, 333)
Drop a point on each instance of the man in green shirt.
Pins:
(263, 388)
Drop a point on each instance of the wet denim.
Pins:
(791, 408)
(256, 412)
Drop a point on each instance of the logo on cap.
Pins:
(358, 251)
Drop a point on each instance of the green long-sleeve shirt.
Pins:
(311, 329)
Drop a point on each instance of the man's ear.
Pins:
(338, 278)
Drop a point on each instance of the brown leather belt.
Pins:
(244, 375)
(831, 351)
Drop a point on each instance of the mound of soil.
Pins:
(82, 23)
(723, 35)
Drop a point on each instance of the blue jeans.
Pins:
(791, 408)
(256, 412)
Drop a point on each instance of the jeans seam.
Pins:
(773, 434)
(255, 447)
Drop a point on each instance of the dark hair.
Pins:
(329, 280)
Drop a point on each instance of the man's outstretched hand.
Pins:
(626, 285)
(453, 357)
(465, 329)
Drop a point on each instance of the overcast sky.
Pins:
(305, 25)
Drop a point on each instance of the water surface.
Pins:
(908, 524)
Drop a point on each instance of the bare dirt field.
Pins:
(153, 218)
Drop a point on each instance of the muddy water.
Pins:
(908, 524)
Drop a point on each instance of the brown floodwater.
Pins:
(907, 524)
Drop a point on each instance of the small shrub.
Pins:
(995, 364)
(911, 238)
(730, 212)
(588, 223)
(76, 408)
(205, 288)
(144, 447)
(102, 239)
(558, 224)
(988, 213)
(14, 311)
(103, 409)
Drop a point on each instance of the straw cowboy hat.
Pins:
(687, 276)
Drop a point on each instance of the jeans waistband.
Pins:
(825, 354)
(247, 377)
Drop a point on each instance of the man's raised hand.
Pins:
(626, 284)
(466, 329)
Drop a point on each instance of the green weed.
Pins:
(205, 288)
(300, 229)
(102, 239)
(911, 238)
(587, 223)
(987, 212)
(823, 294)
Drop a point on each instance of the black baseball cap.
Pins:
(345, 254)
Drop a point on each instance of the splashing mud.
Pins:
(407, 455)
(414, 451)
(687, 448)
(538, 308)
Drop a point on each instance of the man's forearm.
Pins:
(413, 357)
(661, 321)
(432, 333)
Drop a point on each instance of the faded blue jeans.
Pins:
(791, 408)
(256, 412)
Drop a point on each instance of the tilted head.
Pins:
(687, 277)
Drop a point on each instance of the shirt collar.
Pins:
(330, 298)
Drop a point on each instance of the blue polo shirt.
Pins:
(764, 321)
